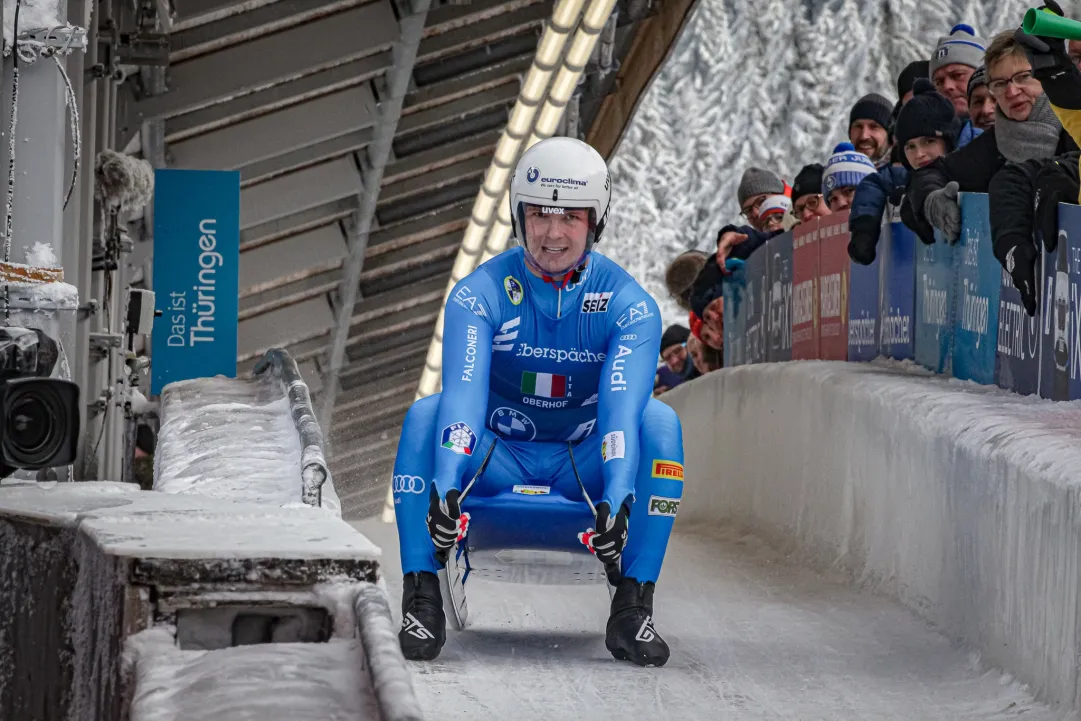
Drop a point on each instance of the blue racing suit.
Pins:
(548, 379)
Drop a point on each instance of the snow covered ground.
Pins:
(752, 637)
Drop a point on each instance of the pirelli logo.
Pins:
(668, 469)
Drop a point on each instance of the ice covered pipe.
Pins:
(122, 181)
(1039, 21)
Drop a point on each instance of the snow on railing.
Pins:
(314, 469)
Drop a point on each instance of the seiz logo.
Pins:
(596, 302)
(661, 506)
(668, 469)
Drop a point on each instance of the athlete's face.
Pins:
(555, 237)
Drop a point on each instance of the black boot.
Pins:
(424, 626)
(630, 635)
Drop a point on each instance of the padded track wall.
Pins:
(959, 500)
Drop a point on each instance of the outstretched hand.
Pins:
(725, 245)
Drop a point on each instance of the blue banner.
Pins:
(779, 249)
(196, 274)
(934, 305)
(976, 290)
(735, 315)
(863, 308)
(1018, 341)
(755, 300)
(897, 291)
(1060, 371)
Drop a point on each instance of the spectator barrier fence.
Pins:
(949, 307)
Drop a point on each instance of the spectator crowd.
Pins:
(1000, 116)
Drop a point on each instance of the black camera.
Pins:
(39, 415)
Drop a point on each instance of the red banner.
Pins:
(805, 238)
(833, 271)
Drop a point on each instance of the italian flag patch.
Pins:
(544, 384)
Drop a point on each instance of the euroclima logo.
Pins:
(531, 175)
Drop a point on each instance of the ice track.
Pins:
(752, 637)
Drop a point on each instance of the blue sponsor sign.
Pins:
(976, 290)
(779, 252)
(1060, 372)
(897, 291)
(934, 305)
(196, 274)
(1018, 341)
(735, 316)
(755, 300)
(863, 308)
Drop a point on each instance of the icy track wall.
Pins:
(957, 499)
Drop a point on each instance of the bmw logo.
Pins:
(531, 175)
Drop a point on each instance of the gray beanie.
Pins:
(756, 181)
(960, 47)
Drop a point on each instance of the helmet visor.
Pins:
(557, 238)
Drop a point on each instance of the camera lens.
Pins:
(28, 426)
(38, 423)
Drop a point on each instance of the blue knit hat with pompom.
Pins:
(845, 169)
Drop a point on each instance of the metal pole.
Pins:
(388, 112)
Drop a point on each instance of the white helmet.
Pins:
(565, 173)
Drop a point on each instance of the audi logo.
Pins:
(408, 484)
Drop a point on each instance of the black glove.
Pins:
(1046, 55)
(606, 542)
(1056, 182)
(446, 522)
(1021, 265)
(861, 247)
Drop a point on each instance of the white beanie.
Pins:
(775, 204)
(845, 169)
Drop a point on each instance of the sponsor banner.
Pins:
(897, 291)
(833, 263)
(547, 385)
(735, 317)
(613, 446)
(617, 381)
(572, 355)
(465, 298)
(1060, 364)
(667, 469)
(196, 275)
(634, 315)
(976, 290)
(661, 506)
(1018, 353)
(863, 304)
(805, 291)
(754, 313)
(779, 324)
(934, 305)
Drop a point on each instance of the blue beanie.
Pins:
(845, 169)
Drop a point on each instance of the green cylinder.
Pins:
(1050, 25)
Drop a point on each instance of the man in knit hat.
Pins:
(807, 200)
(907, 78)
(955, 59)
(981, 103)
(868, 124)
(678, 365)
(842, 174)
(754, 187)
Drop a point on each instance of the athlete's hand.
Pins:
(606, 542)
(446, 522)
(724, 248)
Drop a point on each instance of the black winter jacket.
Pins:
(972, 167)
